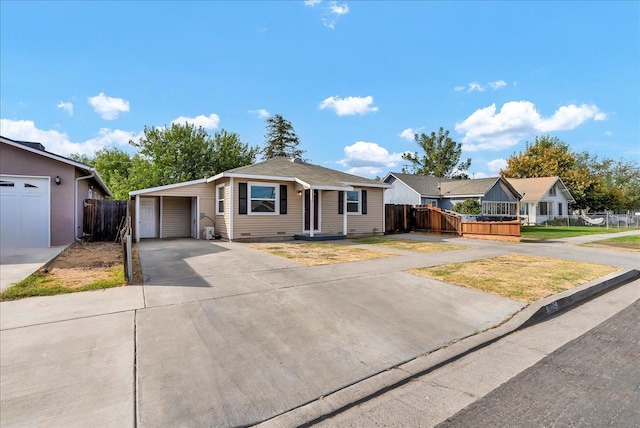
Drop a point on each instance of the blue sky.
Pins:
(356, 79)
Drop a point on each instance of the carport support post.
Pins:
(312, 212)
(137, 218)
(344, 214)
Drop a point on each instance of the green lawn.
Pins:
(555, 232)
(631, 242)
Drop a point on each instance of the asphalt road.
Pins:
(592, 381)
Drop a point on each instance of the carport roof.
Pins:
(304, 173)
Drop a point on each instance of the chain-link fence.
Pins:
(596, 220)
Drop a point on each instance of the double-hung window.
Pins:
(353, 202)
(220, 199)
(263, 198)
(543, 208)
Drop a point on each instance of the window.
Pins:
(7, 183)
(524, 209)
(263, 198)
(552, 191)
(499, 208)
(353, 202)
(30, 186)
(220, 199)
(559, 208)
(543, 208)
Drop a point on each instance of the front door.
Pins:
(307, 210)
(148, 218)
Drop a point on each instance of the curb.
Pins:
(364, 390)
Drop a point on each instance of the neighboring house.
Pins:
(277, 198)
(543, 198)
(497, 197)
(42, 195)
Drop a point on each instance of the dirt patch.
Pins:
(316, 254)
(85, 262)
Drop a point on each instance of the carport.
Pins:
(173, 211)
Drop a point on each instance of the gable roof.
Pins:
(534, 189)
(304, 173)
(38, 149)
(427, 185)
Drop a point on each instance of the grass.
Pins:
(629, 243)
(556, 232)
(320, 253)
(515, 276)
(41, 284)
(408, 245)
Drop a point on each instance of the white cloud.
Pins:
(475, 86)
(333, 12)
(498, 84)
(66, 106)
(207, 122)
(108, 107)
(59, 142)
(479, 175)
(338, 9)
(487, 129)
(496, 165)
(261, 113)
(459, 88)
(349, 106)
(312, 3)
(366, 158)
(608, 133)
(409, 134)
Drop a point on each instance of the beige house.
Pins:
(42, 195)
(543, 198)
(277, 198)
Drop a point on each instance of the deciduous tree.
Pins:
(440, 158)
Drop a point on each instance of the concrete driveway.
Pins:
(18, 263)
(233, 336)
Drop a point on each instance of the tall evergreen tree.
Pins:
(281, 139)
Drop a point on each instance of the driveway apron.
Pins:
(234, 336)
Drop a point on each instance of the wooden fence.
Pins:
(430, 219)
(103, 219)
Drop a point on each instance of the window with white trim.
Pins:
(552, 191)
(263, 198)
(353, 202)
(220, 199)
(499, 208)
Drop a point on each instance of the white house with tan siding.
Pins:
(277, 198)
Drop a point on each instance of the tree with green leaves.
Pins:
(281, 139)
(440, 158)
(595, 184)
(468, 206)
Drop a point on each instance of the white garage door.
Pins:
(24, 211)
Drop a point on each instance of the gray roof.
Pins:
(427, 185)
(314, 175)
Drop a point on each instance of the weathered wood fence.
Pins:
(103, 219)
(430, 219)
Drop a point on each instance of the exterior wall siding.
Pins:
(223, 222)
(400, 193)
(363, 224)
(500, 193)
(248, 226)
(176, 217)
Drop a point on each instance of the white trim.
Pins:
(276, 202)
(304, 184)
(220, 186)
(345, 215)
(249, 176)
(318, 227)
(338, 188)
(160, 216)
(231, 213)
(166, 187)
(137, 237)
(359, 212)
(380, 185)
(59, 159)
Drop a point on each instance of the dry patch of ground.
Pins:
(519, 277)
(319, 253)
(81, 267)
(409, 245)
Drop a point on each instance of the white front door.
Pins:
(24, 211)
(148, 218)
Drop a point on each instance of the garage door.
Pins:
(24, 212)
